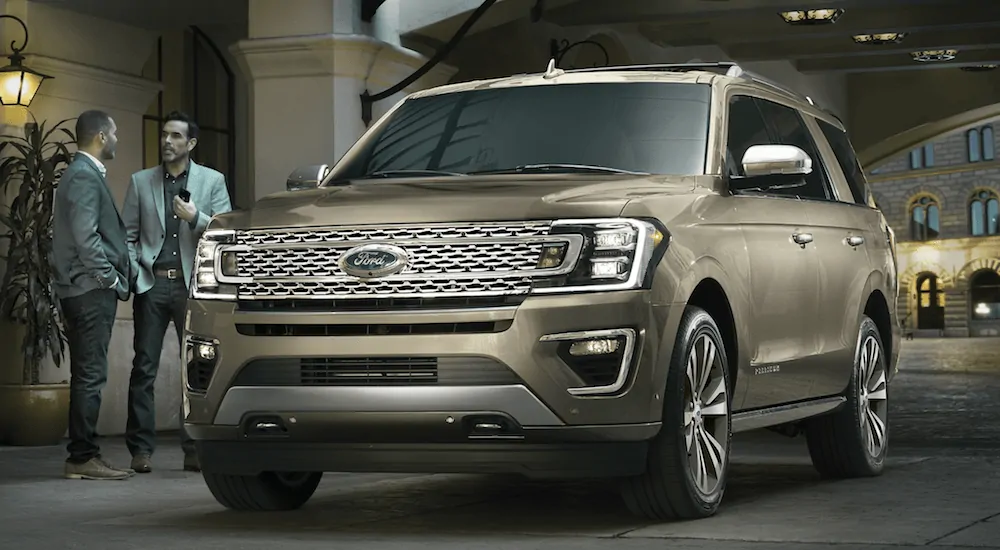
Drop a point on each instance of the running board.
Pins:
(783, 414)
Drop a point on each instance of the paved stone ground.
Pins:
(941, 489)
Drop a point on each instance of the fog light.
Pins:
(206, 352)
(552, 256)
(603, 346)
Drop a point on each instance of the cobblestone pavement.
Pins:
(941, 490)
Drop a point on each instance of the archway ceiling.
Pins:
(752, 30)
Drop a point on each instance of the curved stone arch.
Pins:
(908, 279)
(975, 266)
(919, 135)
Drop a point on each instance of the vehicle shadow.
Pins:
(484, 506)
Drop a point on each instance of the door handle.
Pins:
(802, 238)
(855, 240)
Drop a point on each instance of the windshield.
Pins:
(631, 127)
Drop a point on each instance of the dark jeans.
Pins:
(88, 319)
(153, 311)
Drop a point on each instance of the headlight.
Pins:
(617, 254)
(211, 261)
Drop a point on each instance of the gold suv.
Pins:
(583, 273)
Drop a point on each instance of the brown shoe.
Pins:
(142, 464)
(94, 468)
(191, 463)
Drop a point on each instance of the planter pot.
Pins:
(33, 415)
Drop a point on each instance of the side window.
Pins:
(746, 128)
(789, 129)
(848, 161)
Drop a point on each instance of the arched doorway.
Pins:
(930, 303)
(984, 296)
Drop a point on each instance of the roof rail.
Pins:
(719, 66)
(726, 68)
(739, 72)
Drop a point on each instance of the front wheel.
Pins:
(268, 491)
(688, 460)
(853, 441)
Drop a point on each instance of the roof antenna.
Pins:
(551, 71)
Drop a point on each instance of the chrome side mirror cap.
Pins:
(773, 160)
(307, 177)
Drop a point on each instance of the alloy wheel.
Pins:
(873, 402)
(706, 415)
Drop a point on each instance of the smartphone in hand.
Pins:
(185, 195)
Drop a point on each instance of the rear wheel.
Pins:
(268, 491)
(853, 441)
(688, 460)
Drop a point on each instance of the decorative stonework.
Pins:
(336, 55)
(975, 266)
(94, 86)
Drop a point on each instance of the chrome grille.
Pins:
(424, 259)
(401, 289)
(487, 259)
(355, 235)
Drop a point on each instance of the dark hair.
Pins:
(192, 132)
(89, 124)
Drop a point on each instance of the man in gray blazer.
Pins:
(163, 232)
(92, 273)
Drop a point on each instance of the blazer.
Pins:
(145, 225)
(88, 236)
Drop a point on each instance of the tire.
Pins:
(668, 489)
(267, 492)
(846, 443)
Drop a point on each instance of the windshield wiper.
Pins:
(415, 173)
(553, 167)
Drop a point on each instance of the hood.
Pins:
(445, 199)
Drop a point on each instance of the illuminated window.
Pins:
(984, 213)
(925, 219)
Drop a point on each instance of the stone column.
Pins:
(307, 69)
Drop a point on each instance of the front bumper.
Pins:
(535, 408)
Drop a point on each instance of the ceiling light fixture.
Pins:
(812, 17)
(978, 68)
(880, 38)
(934, 55)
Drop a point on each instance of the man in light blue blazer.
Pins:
(163, 226)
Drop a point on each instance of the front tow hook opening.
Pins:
(492, 427)
(269, 426)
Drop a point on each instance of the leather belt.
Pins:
(168, 273)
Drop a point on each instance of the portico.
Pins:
(279, 82)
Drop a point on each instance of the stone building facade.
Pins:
(943, 202)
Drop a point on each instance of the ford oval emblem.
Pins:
(373, 260)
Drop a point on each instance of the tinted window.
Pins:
(788, 128)
(746, 128)
(848, 161)
(660, 128)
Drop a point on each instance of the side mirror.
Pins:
(307, 177)
(775, 160)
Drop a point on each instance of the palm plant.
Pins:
(34, 165)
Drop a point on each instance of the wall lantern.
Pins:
(880, 38)
(812, 17)
(18, 84)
